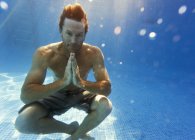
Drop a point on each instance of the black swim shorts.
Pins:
(60, 102)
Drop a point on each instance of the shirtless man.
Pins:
(70, 60)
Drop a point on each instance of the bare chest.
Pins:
(59, 63)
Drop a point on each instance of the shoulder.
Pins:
(44, 53)
(47, 51)
(93, 50)
(94, 55)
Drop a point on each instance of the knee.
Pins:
(23, 125)
(27, 120)
(104, 105)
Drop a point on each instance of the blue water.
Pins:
(149, 51)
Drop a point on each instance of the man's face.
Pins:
(73, 34)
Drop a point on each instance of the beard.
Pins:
(74, 48)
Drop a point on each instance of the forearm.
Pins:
(32, 92)
(100, 87)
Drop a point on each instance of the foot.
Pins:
(84, 137)
(73, 126)
(71, 138)
(87, 137)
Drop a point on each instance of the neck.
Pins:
(65, 51)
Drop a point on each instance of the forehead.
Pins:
(73, 25)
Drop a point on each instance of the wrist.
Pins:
(63, 83)
(81, 84)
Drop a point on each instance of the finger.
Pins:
(68, 65)
(72, 54)
(73, 71)
(73, 67)
(74, 63)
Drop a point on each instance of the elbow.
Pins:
(107, 93)
(24, 97)
(106, 90)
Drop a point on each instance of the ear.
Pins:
(84, 36)
(61, 30)
(61, 33)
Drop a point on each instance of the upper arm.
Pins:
(37, 72)
(99, 69)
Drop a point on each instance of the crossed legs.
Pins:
(33, 120)
(101, 108)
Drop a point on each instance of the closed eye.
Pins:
(79, 35)
(69, 33)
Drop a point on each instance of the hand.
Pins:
(68, 71)
(76, 78)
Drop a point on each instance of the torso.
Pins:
(57, 62)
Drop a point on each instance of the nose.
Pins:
(73, 40)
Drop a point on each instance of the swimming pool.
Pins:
(148, 48)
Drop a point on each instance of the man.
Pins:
(70, 60)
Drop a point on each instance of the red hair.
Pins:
(75, 12)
